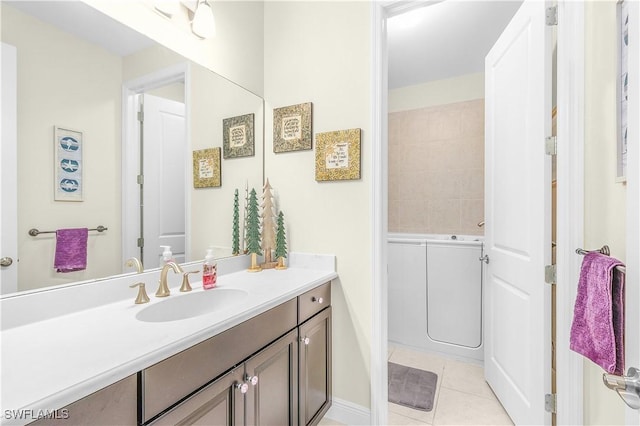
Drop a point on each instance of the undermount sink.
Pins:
(184, 306)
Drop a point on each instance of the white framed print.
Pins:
(68, 167)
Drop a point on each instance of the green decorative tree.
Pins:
(281, 242)
(246, 216)
(253, 231)
(236, 225)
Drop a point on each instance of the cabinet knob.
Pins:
(305, 340)
(317, 299)
(251, 379)
(243, 387)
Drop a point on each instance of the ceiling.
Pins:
(85, 22)
(444, 39)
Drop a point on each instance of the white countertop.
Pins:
(48, 364)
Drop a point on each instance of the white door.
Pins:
(164, 170)
(518, 215)
(8, 178)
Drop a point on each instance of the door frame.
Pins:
(570, 215)
(8, 159)
(131, 152)
(570, 204)
(632, 337)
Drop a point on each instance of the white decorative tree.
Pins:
(268, 225)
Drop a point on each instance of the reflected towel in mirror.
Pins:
(71, 250)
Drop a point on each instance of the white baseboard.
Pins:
(348, 413)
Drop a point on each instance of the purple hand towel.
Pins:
(597, 331)
(71, 250)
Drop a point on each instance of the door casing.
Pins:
(131, 153)
(8, 178)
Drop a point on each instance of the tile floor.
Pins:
(462, 395)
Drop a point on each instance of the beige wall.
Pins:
(320, 52)
(436, 169)
(86, 76)
(604, 198)
(439, 92)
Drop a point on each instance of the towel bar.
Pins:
(628, 387)
(604, 250)
(34, 232)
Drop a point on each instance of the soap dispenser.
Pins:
(167, 256)
(209, 271)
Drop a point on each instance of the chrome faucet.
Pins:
(134, 262)
(163, 288)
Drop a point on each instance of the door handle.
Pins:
(628, 387)
(6, 261)
(484, 259)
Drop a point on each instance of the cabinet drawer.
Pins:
(114, 405)
(168, 381)
(313, 301)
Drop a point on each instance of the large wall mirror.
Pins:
(81, 71)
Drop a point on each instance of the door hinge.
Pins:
(551, 17)
(550, 274)
(140, 179)
(141, 116)
(551, 145)
(550, 402)
(140, 242)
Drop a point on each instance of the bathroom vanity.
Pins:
(266, 359)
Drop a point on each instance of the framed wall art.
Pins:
(238, 136)
(207, 171)
(292, 128)
(338, 155)
(68, 164)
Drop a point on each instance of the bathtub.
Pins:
(435, 293)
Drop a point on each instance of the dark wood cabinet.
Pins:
(273, 399)
(315, 368)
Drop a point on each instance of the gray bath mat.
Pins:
(411, 387)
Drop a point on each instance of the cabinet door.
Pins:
(272, 375)
(315, 368)
(220, 403)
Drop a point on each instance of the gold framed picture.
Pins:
(207, 171)
(238, 139)
(292, 128)
(338, 155)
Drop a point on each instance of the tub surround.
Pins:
(436, 169)
(63, 344)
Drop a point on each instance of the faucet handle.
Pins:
(134, 262)
(186, 286)
(142, 293)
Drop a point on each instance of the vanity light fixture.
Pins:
(203, 24)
